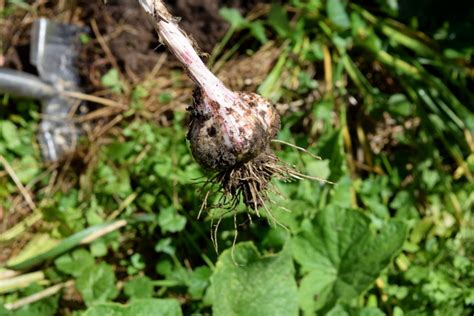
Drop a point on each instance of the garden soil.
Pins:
(129, 36)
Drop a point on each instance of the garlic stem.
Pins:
(179, 44)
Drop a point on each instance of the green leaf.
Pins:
(112, 80)
(198, 281)
(84, 38)
(318, 168)
(399, 105)
(341, 193)
(118, 151)
(165, 268)
(165, 97)
(254, 284)
(10, 134)
(258, 31)
(76, 263)
(337, 13)
(234, 18)
(345, 310)
(331, 147)
(26, 169)
(62, 247)
(97, 284)
(165, 245)
(140, 287)
(4, 311)
(137, 263)
(278, 19)
(341, 256)
(139, 307)
(98, 248)
(170, 221)
(114, 181)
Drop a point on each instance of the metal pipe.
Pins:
(24, 85)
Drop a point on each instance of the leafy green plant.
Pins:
(244, 283)
(386, 106)
(342, 256)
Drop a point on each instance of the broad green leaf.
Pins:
(341, 193)
(278, 19)
(76, 263)
(318, 168)
(139, 307)
(234, 18)
(165, 268)
(97, 284)
(170, 220)
(337, 13)
(10, 134)
(98, 248)
(341, 255)
(198, 281)
(254, 284)
(140, 287)
(258, 31)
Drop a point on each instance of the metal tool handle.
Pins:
(24, 85)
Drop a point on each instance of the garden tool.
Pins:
(54, 52)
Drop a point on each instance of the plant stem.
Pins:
(180, 45)
(20, 282)
(39, 296)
